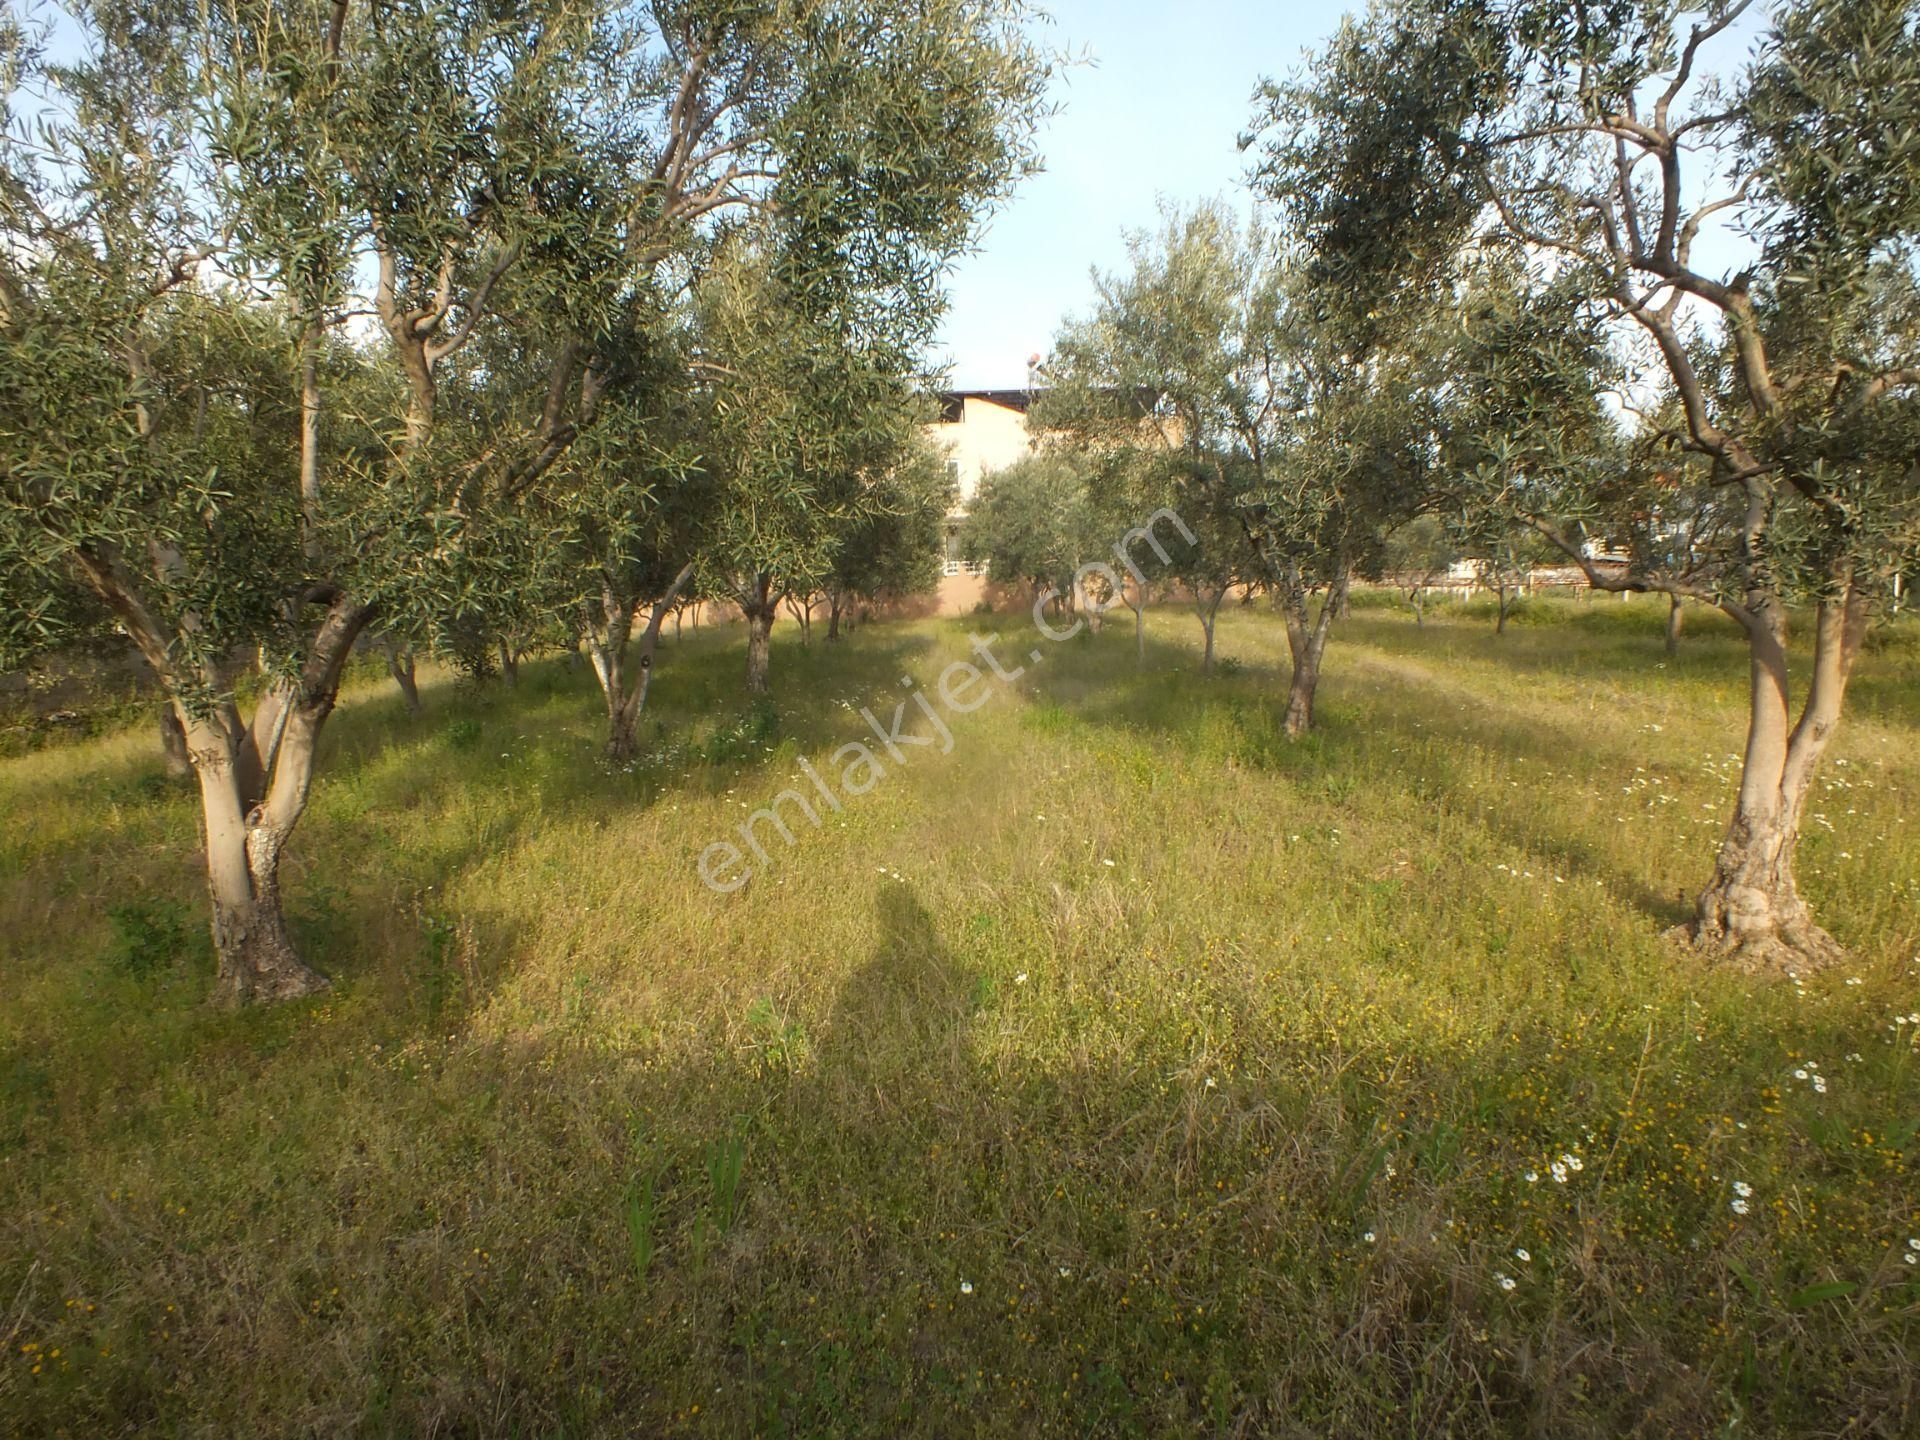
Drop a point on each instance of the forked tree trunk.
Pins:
(1751, 912)
(606, 643)
(1676, 617)
(1084, 606)
(254, 782)
(1209, 613)
(509, 663)
(1307, 643)
(400, 666)
(257, 959)
(1417, 597)
(835, 603)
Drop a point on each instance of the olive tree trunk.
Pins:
(1208, 609)
(254, 780)
(1137, 603)
(173, 743)
(1307, 643)
(400, 666)
(801, 608)
(758, 603)
(1751, 912)
(1676, 618)
(606, 644)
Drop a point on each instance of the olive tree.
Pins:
(1609, 141)
(474, 180)
(806, 411)
(892, 548)
(1032, 524)
(1251, 392)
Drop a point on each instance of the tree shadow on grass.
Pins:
(926, 1232)
(1238, 721)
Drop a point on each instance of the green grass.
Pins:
(1127, 1071)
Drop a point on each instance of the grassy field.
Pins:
(1126, 1071)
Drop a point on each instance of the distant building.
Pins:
(981, 431)
(984, 431)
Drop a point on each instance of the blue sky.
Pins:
(1157, 112)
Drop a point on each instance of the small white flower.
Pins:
(1021, 978)
(1911, 1258)
(1819, 1085)
(1742, 1189)
(1533, 1177)
(1522, 1256)
(1108, 863)
(1065, 1272)
(1507, 1282)
(966, 1287)
(1799, 1074)
(1559, 1173)
(1740, 1207)
(1210, 1082)
(1913, 1242)
(1368, 1237)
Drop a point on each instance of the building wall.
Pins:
(987, 437)
(983, 436)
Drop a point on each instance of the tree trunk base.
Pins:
(263, 968)
(1755, 933)
(622, 747)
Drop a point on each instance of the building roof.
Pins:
(953, 402)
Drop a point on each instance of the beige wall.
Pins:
(986, 438)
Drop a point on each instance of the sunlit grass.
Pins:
(1126, 1071)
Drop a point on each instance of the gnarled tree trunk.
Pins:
(257, 959)
(607, 644)
(1751, 912)
(1209, 612)
(400, 666)
(1307, 643)
(254, 782)
(757, 601)
(1676, 618)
